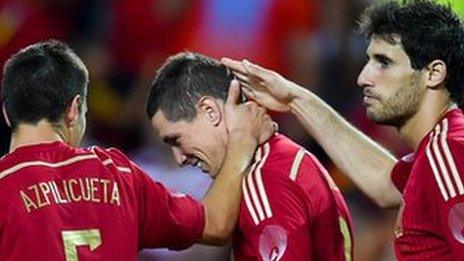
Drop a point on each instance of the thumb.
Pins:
(234, 92)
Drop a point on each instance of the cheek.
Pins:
(219, 155)
(391, 87)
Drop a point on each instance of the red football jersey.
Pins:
(63, 203)
(430, 225)
(291, 209)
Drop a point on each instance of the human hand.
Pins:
(246, 122)
(264, 86)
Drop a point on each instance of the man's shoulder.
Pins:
(440, 160)
(445, 143)
(282, 145)
(280, 151)
(108, 153)
(450, 128)
(285, 162)
(44, 157)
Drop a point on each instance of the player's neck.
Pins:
(433, 108)
(30, 134)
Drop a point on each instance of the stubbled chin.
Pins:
(371, 112)
(373, 117)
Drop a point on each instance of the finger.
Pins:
(242, 78)
(234, 92)
(255, 67)
(255, 70)
(272, 130)
(239, 74)
(246, 87)
(245, 84)
(234, 72)
(245, 81)
(248, 92)
(233, 65)
(276, 126)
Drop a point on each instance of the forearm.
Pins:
(366, 163)
(222, 201)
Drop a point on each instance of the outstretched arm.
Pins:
(363, 160)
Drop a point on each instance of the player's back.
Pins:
(55, 197)
(63, 203)
(291, 209)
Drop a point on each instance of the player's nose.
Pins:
(179, 156)
(364, 78)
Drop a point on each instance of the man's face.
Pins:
(393, 90)
(197, 142)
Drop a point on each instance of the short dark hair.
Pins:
(40, 81)
(427, 30)
(182, 81)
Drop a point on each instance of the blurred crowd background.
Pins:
(122, 42)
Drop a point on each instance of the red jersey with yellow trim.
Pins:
(431, 221)
(291, 209)
(64, 203)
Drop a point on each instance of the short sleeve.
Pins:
(165, 219)
(175, 221)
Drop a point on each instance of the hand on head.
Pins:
(266, 87)
(249, 120)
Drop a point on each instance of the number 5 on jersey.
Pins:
(74, 238)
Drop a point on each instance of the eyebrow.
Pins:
(382, 57)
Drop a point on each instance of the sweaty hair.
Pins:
(182, 81)
(40, 81)
(427, 31)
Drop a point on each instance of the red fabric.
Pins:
(302, 220)
(23, 23)
(143, 32)
(57, 188)
(431, 225)
(287, 19)
(401, 171)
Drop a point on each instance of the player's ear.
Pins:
(5, 116)
(72, 112)
(209, 109)
(436, 73)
